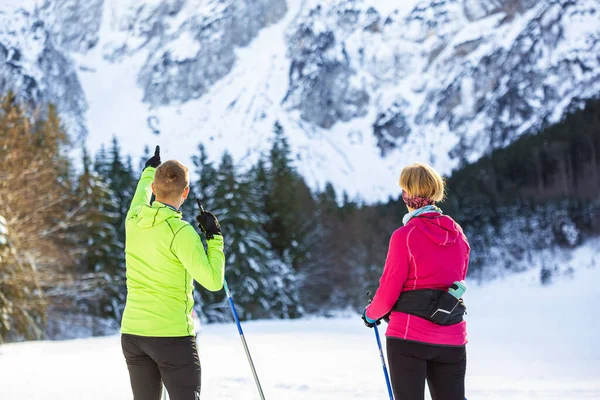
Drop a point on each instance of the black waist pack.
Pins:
(437, 306)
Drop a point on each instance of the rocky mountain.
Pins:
(38, 70)
(3, 232)
(361, 87)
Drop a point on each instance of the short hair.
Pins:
(171, 179)
(421, 180)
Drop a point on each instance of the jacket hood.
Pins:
(155, 214)
(440, 229)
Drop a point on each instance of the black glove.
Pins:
(368, 323)
(154, 162)
(208, 223)
(367, 320)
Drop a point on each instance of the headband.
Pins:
(416, 202)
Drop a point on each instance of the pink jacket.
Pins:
(430, 252)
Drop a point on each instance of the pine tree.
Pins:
(317, 276)
(284, 296)
(116, 177)
(102, 261)
(189, 208)
(101, 163)
(289, 204)
(122, 182)
(204, 187)
(327, 200)
(261, 180)
(145, 156)
(262, 285)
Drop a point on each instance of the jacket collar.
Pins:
(158, 204)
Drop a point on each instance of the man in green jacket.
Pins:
(164, 255)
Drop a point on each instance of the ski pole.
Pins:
(239, 326)
(385, 371)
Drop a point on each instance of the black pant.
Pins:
(154, 360)
(412, 363)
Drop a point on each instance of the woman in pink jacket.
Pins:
(420, 291)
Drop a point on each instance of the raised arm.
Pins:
(143, 192)
(207, 270)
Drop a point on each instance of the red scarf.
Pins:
(416, 202)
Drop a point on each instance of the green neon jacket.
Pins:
(163, 255)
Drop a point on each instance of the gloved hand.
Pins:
(208, 223)
(368, 321)
(154, 161)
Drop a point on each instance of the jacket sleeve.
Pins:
(394, 276)
(207, 270)
(143, 193)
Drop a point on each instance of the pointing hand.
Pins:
(154, 162)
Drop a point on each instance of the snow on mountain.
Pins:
(361, 87)
(33, 67)
(66, 19)
(13, 4)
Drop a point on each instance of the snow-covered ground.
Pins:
(526, 342)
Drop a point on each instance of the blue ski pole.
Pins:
(385, 371)
(239, 326)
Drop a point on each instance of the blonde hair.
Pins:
(171, 179)
(421, 180)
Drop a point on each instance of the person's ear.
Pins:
(186, 192)
(153, 191)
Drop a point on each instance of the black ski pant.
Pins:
(154, 360)
(412, 363)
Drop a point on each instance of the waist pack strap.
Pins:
(437, 306)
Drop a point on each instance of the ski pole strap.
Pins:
(437, 306)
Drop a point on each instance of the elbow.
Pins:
(215, 286)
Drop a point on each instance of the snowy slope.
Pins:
(361, 87)
(525, 342)
(13, 4)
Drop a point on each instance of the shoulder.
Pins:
(403, 233)
(461, 232)
(456, 225)
(452, 220)
(184, 235)
(462, 235)
(180, 227)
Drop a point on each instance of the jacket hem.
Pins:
(427, 343)
(129, 333)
